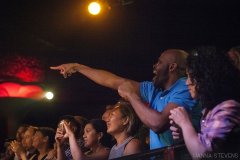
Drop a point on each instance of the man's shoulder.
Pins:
(182, 81)
(180, 84)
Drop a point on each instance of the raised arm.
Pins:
(100, 77)
(59, 145)
(157, 121)
(181, 118)
(76, 151)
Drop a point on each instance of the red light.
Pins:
(26, 69)
(11, 89)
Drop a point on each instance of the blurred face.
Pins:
(191, 86)
(233, 55)
(106, 115)
(38, 139)
(115, 123)
(161, 71)
(20, 134)
(28, 138)
(90, 136)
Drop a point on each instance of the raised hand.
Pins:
(59, 136)
(179, 116)
(66, 69)
(69, 130)
(16, 147)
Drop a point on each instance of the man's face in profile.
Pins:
(161, 72)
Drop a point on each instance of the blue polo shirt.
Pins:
(178, 93)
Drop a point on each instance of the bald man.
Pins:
(167, 91)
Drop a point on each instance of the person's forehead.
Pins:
(89, 127)
(108, 111)
(30, 130)
(116, 110)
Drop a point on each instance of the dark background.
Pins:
(126, 40)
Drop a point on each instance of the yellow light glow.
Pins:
(49, 95)
(94, 8)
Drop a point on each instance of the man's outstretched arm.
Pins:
(99, 76)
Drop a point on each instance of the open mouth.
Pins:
(154, 72)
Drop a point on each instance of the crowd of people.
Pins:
(192, 99)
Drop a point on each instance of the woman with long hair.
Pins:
(123, 124)
(214, 81)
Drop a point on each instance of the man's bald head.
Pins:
(170, 67)
(177, 56)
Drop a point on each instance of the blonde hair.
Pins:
(127, 111)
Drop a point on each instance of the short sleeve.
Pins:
(146, 91)
(183, 98)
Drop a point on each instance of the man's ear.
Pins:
(172, 66)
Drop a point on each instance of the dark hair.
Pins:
(217, 79)
(82, 121)
(101, 126)
(48, 132)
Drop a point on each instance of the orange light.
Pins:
(94, 8)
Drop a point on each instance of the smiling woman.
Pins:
(123, 124)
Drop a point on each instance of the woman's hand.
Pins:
(59, 136)
(69, 130)
(179, 116)
(176, 131)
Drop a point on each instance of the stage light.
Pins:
(18, 90)
(94, 8)
(49, 95)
